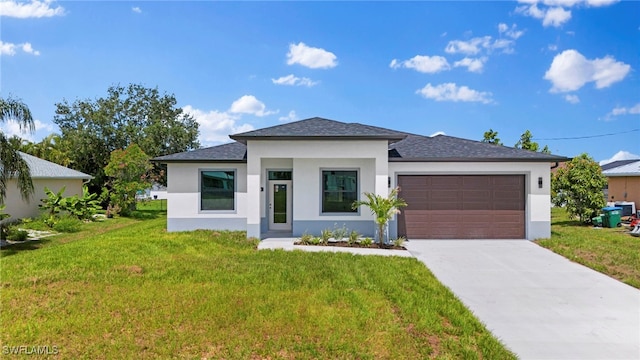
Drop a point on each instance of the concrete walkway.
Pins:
(538, 303)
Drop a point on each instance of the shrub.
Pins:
(305, 239)
(353, 237)
(399, 242)
(18, 235)
(366, 241)
(340, 233)
(326, 235)
(68, 224)
(316, 241)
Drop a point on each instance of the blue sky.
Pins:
(561, 69)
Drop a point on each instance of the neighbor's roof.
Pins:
(319, 128)
(629, 169)
(616, 164)
(43, 169)
(406, 148)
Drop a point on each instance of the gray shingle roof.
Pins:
(616, 164)
(630, 168)
(43, 169)
(403, 147)
(234, 151)
(449, 148)
(316, 128)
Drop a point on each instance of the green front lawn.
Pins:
(126, 288)
(610, 251)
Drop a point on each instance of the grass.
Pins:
(126, 288)
(610, 251)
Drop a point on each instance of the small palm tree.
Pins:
(11, 163)
(383, 208)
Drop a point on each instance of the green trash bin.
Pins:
(611, 216)
(597, 221)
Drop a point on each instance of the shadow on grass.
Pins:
(12, 249)
(568, 223)
(147, 214)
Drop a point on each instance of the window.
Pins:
(217, 190)
(339, 191)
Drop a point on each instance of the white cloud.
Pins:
(620, 155)
(554, 12)
(621, 110)
(290, 117)
(136, 9)
(570, 70)
(215, 126)
(510, 31)
(12, 128)
(452, 92)
(423, 64)
(473, 65)
(478, 44)
(572, 99)
(437, 133)
(311, 57)
(294, 81)
(552, 47)
(33, 9)
(248, 104)
(9, 49)
(26, 47)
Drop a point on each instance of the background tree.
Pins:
(526, 143)
(129, 170)
(11, 163)
(127, 115)
(578, 186)
(52, 148)
(491, 137)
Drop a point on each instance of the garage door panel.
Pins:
(462, 207)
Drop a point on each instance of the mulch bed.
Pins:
(356, 245)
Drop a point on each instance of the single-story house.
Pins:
(303, 176)
(623, 181)
(43, 174)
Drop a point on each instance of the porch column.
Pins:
(253, 194)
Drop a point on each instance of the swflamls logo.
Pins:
(30, 350)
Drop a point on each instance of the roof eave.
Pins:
(166, 161)
(484, 159)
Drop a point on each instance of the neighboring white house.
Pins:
(303, 177)
(43, 174)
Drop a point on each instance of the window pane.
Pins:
(217, 190)
(279, 175)
(339, 191)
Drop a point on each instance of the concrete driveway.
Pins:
(539, 304)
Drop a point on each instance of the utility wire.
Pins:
(587, 137)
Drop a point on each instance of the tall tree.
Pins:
(128, 169)
(526, 143)
(578, 186)
(127, 115)
(491, 137)
(11, 163)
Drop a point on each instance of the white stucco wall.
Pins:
(307, 159)
(19, 209)
(183, 198)
(538, 200)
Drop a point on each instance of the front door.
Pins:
(280, 205)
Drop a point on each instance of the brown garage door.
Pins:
(462, 206)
